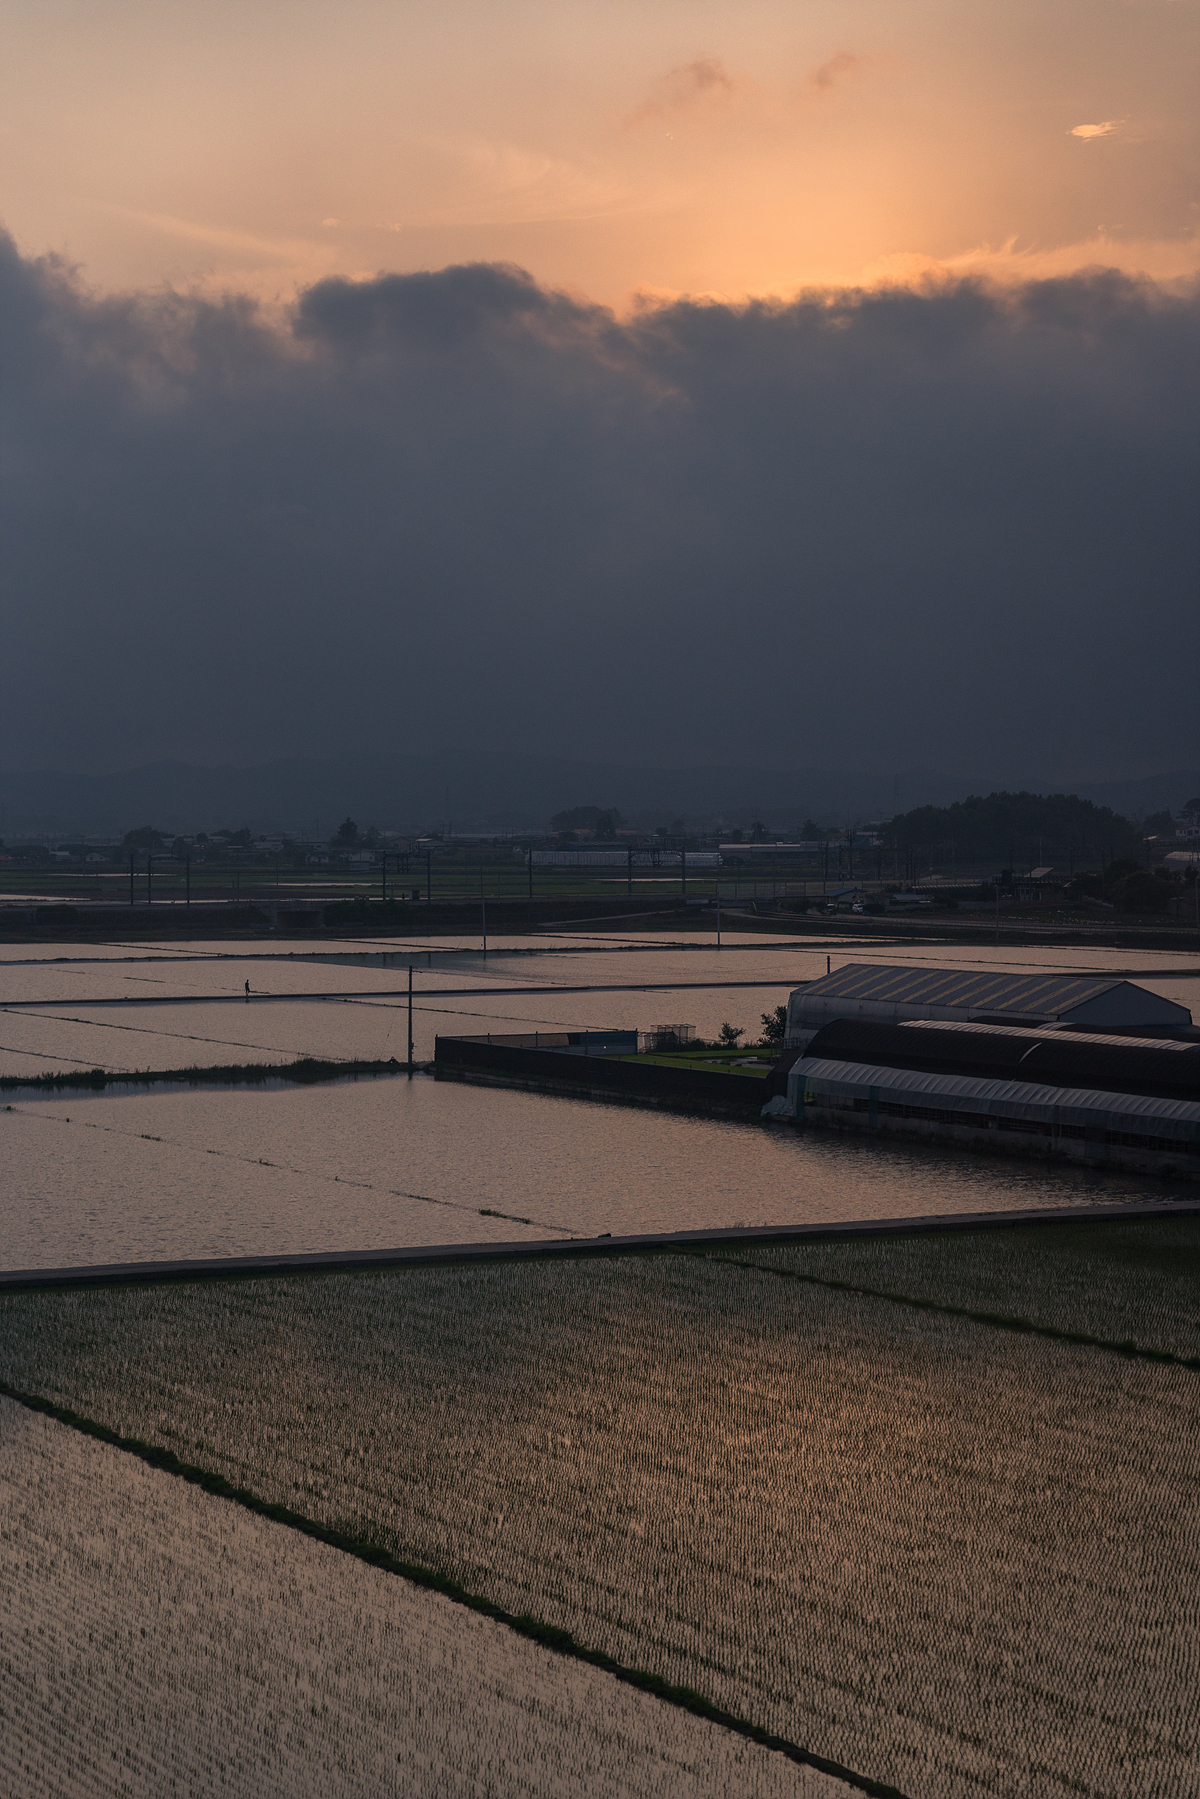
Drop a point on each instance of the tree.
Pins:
(1191, 809)
(730, 1035)
(1124, 865)
(775, 1025)
(604, 822)
(758, 831)
(144, 838)
(1159, 824)
(1052, 827)
(1141, 891)
(346, 835)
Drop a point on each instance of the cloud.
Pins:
(683, 89)
(1170, 260)
(509, 182)
(460, 512)
(839, 66)
(233, 243)
(1102, 130)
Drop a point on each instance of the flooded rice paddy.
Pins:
(389, 1162)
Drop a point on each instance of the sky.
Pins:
(768, 384)
(618, 147)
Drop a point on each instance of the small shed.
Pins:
(890, 995)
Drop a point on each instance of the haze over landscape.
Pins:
(626, 386)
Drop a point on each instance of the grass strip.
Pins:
(999, 1320)
(376, 1556)
(234, 1074)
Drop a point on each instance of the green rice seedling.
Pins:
(955, 1558)
(158, 1640)
(1129, 1282)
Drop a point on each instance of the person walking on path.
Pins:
(247, 990)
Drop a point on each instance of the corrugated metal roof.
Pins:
(990, 1053)
(1055, 1033)
(858, 1078)
(1045, 995)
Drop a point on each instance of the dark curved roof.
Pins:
(1157, 1071)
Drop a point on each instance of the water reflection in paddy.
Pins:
(223, 1172)
(391, 1161)
(158, 1007)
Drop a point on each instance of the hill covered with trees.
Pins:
(1015, 830)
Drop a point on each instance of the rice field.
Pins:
(1135, 1282)
(156, 1640)
(952, 1558)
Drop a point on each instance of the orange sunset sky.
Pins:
(617, 148)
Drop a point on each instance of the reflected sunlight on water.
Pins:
(392, 1162)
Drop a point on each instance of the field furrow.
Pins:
(952, 1558)
(157, 1641)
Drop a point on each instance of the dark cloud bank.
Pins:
(459, 516)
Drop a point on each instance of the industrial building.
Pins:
(1085, 1068)
(890, 995)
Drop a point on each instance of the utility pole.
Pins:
(410, 1060)
(718, 916)
(187, 878)
(149, 879)
(629, 873)
(483, 904)
(131, 877)
(683, 873)
(530, 855)
(383, 880)
(428, 875)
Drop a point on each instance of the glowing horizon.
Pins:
(623, 154)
